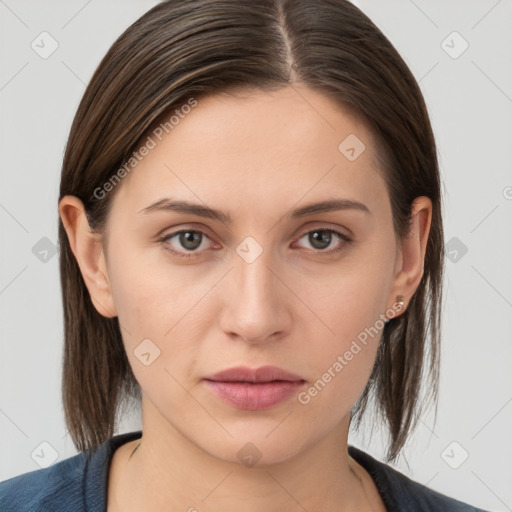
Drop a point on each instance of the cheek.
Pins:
(351, 306)
(149, 299)
(159, 302)
(350, 298)
(147, 289)
(341, 363)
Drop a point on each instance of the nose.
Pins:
(257, 306)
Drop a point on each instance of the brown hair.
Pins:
(179, 50)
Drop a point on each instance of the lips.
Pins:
(254, 389)
(262, 374)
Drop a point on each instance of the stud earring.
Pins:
(399, 304)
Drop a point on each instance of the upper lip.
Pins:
(261, 374)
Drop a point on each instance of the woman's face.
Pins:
(271, 286)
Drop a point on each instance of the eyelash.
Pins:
(192, 254)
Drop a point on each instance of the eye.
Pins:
(320, 239)
(190, 240)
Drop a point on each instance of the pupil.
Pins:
(189, 239)
(319, 239)
(323, 237)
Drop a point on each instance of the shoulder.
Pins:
(77, 483)
(399, 492)
(44, 489)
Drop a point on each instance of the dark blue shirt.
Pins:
(79, 484)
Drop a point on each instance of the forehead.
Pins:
(257, 149)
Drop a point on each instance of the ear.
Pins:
(87, 248)
(411, 255)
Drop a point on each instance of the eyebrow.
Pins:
(168, 204)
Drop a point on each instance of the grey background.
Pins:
(469, 97)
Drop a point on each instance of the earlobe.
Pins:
(88, 251)
(412, 253)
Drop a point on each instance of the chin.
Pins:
(260, 447)
(251, 454)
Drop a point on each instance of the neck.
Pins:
(167, 471)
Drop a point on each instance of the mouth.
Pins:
(254, 389)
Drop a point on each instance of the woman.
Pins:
(252, 245)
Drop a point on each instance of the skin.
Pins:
(255, 156)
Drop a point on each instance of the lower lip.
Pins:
(254, 397)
